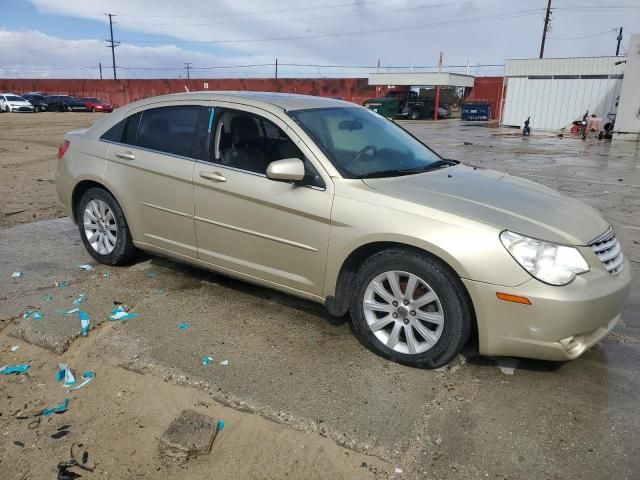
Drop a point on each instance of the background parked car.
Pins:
(10, 102)
(64, 103)
(37, 100)
(94, 104)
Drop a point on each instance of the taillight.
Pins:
(62, 149)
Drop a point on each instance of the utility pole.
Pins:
(276, 68)
(619, 38)
(113, 45)
(435, 110)
(188, 67)
(547, 19)
(100, 67)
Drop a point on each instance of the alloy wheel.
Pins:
(403, 312)
(100, 227)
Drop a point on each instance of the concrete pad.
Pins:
(189, 435)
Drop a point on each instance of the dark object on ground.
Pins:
(60, 434)
(188, 435)
(18, 443)
(79, 458)
(526, 130)
(468, 143)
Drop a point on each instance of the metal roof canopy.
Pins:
(422, 79)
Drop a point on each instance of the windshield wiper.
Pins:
(440, 164)
(398, 172)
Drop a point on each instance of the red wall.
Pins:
(488, 89)
(121, 92)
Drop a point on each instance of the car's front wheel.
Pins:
(103, 228)
(410, 308)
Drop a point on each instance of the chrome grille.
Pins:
(607, 248)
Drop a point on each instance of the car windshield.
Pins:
(91, 99)
(14, 98)
(363, 144)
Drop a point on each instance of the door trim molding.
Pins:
(258, 234)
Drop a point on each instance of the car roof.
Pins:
(284, 101)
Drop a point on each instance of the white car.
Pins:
(10, 102)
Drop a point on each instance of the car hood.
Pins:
(21, 103)
(498, 199)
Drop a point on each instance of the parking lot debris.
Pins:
(79, 300)
(65, 373)
(468, 143)
(86, 267)
(106, 274)
(32, 314)
(79, 458)
(61, 284)
(14, 348)
(188, 435)
(47, 298)
(85, 322)
(68, 312)
(220, 424)
(224, 362)
(60, 408)
(398, 470)
(59, 434)
(207, 360)
(17, 274)
(183, 325)
(152, 274)
(20, 368)
(121, 312)
(87, 377)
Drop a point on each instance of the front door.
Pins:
(274, 231)
(152, 166)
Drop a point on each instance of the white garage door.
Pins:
(553, 103)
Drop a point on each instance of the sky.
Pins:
(319, 38)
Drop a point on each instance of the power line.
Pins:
(581, 37)
(500, 16)
(293, 19)
(258, 12)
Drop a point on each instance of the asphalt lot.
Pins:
(291, 363)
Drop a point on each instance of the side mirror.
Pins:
(286, 170)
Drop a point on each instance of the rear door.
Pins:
(150, 165)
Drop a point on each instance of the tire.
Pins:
(415, 115)
(123, 250)
(451, 304)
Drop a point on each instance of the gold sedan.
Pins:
(331, 202)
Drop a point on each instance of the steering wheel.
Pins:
(365, 149)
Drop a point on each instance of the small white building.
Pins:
(556, 91)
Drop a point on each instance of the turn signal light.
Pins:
(62, 149)
(513, 298)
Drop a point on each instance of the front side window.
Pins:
(361, 143)
(249, 142)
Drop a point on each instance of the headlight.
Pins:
(549, 263)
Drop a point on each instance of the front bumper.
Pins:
(560, 324)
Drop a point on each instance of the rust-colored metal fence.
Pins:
(121, 92)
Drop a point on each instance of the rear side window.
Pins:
(169, 129)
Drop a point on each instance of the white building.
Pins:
(628, 119)
(556, 91)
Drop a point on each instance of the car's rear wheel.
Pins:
(415, 115)
(410, 308)
(103, 228)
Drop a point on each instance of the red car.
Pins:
(93, 104)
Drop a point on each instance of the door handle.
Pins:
(126, 155)
(215, 176)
